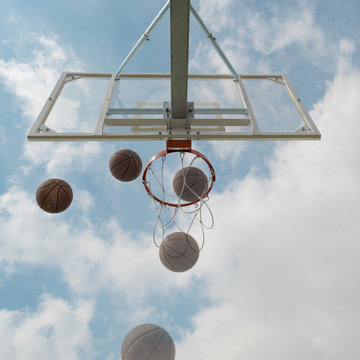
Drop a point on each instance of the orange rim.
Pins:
(172, 150)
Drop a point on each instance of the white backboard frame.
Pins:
(165, 127)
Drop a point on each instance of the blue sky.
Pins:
(279, 273)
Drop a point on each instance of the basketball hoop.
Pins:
(195, 158)
(173, 211)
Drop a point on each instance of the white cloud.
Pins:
(288, 247)
(57, 330)
(31, 82)
(117, 260)
(60, 158)
(284, 28)
(347, 47)
(228, 150)
(11, 18)
(269, 30)
(85, 200)
(216, 13)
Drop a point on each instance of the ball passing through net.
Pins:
(190, 183)
(179, 180)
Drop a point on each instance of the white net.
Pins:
(189, 214)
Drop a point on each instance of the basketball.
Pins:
(125, 165)
(147, 342)
(190, 183)
(54, 195)
(179, 252)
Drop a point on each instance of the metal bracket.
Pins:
(73, 78)
(178, 124)
(276, 80)
(167, 115)
(190, 115)
(46, 129)
(304, 129)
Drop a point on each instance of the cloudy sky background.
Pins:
(279, 275)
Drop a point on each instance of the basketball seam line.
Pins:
(128, 158)
(57, 199)
(66, 194)
(171, 346)
(185, 177)
(47, 195)
(155, 348)
(127, 169)
(44, 186)
(172, 266)
(189, 191)
(189, 187)
(62, 188)
(183, 256)
(172, 248)
(138, 338)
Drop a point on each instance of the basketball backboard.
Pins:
(137, 107)
(178, 105)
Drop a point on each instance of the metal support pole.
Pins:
(179, 46)
(144, 37)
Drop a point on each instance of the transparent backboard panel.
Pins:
(273, 108)
(86, 106)
(140, 94)
(217, 93)
(78, 106)
(136, 93)
(148, 93)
